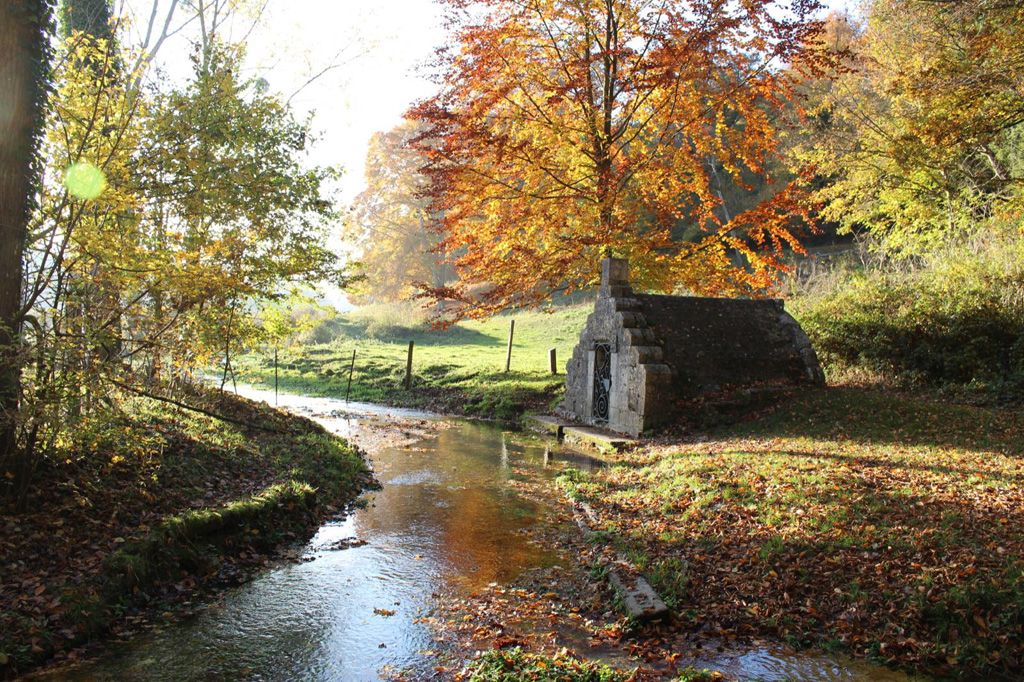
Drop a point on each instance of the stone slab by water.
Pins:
(604, 441)
(547, 424)
(640, 600)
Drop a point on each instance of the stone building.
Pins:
(640, 354)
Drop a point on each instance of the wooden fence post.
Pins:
(275, 376)
(351, 367)
(552, 361)
(508, 355)
(408, 368)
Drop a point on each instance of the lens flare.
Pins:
(84, 180)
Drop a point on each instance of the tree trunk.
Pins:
(154, 336)
(22, 24)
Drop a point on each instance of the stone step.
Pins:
(603, 440)
(640, 336)
(547, 424)
(646, 355)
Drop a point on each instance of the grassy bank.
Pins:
(515, 665)
(953, 320)
(456, 371)
(149, 504)
(876, 523)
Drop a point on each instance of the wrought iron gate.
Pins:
(602, 380)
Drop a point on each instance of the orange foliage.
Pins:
(565, 128)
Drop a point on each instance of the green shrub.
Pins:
(956, 318)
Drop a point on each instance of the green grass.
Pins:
(514, 665)
(192, 541)
(459, 370)
(303, 461)
(691, 674)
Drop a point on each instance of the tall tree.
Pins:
(922, 131)
(90, 41)
(391, 220)
(91, 17)
(237, 216)
(569, 127)
(23, 35)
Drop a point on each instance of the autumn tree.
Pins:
(566, 128)
(391, 220)
(94, 67)
(923, 132)
(171, 213)
(236, 216)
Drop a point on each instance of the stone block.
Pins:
(616, 291)
(614, 271)
(636, 337)
(648, 354)
(603, 440)
(642, 603)
(547, 424)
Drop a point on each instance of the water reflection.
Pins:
(778, 665)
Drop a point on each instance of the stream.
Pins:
(447, 518)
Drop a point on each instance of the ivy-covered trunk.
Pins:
(22, 68)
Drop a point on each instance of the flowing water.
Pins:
(445, 517)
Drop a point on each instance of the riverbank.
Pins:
(884, 525)
(150, 506)
(878, 523)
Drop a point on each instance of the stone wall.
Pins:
(664, 348)
(714, 342)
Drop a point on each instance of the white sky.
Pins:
(381, 43)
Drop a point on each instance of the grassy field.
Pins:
(459, 370)
(883, 524)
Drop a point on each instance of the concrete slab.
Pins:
(605, 441)
(547, 424)
(639, 598)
